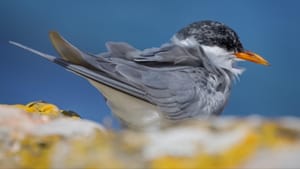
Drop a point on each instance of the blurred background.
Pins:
(269, 28)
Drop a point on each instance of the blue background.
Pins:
(269, 28)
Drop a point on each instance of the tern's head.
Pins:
(219, 42)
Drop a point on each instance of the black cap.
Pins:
(212, 33)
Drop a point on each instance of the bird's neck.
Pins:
(225, 76)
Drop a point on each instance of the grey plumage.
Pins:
(179, 79)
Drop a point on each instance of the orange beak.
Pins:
(252, 57)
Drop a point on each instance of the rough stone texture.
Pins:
(39, 135)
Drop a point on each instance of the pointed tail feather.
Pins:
(44, 55)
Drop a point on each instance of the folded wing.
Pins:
(161, 76)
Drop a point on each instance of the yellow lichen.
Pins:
(47, 109)
(232, 157)
(23, 147)
(275, 136)
(173, 162)
(40, 108)
(37, 152)
(93, 152)
(240, 152)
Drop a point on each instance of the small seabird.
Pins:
(188, 78)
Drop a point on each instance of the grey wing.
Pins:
(175, 92)
(167, 54)
(127, 69)
(172, 54)
(165, 74)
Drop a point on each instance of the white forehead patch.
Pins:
(215, 50)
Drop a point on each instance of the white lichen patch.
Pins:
(68, 127)
(12, 118)
(188, 141)
(290, 122)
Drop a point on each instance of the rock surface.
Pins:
(40, 135)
